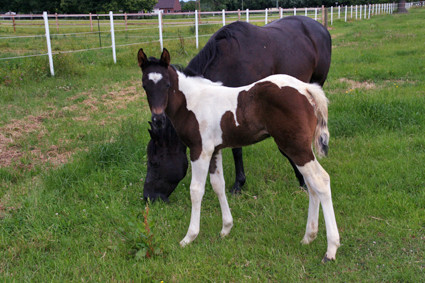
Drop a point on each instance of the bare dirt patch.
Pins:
(356, 85)
(84, 105)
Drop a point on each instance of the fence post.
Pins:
(14, 24)
(305, 12)
(323, 15)
(346, 7)
(295, 11)
(332, 15)
(57, 22)
(365, 9)
(49, 47)
(114, 55)
(91, 23)
(361, 12)
(224, 17)
(196, 29)
(315, 14)
(265, 17)
(280, 12)
(239, 14)
(125, 19)
(351, 12)
(160, 29)
(369, 12)
(247, 15)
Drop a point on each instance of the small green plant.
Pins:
(145, 243)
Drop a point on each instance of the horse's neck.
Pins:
(176, 99)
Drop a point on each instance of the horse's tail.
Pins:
(320, 104)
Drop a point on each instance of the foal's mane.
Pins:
(200, 63)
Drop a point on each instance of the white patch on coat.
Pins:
(155, 77)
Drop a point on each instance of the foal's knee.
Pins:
(196, 191)
(217, 182)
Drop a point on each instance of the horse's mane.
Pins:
(165, 137)
(199, 64)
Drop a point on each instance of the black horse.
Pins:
(297, 46)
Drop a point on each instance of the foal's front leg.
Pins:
(197, 190)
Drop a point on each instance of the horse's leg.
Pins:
(239, 171)
(312, 226)
(197, 189)
(296, 171)
(218, 184)
(318, 181)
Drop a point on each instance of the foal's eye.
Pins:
(168, 85)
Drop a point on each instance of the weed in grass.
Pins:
(144, 243)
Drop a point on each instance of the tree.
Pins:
(402, 6)
(189, 6)
(77, 6)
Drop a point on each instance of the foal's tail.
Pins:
(320, 104)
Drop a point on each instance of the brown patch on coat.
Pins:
(184, 120)
(268, 110)
(213, 163)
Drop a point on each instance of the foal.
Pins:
(209, 117)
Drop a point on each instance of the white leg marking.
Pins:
(313, 218)
(197, 189)
(318, 180)
(218, 184)
(155, 77)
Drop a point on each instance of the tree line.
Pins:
(131, 6)
(232, 5)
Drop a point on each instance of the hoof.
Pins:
(309, 238)
(183, 243)
(304, 188)
(327, 259)
(226, 230)
(236, 190)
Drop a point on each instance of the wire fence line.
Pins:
(157, 22)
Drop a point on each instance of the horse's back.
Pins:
(241, 53)
(305, 36)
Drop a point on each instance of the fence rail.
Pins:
(155, 26)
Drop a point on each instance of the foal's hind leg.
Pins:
(318, 183)
(218, 184)
(296, 171)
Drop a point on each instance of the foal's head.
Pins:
(156, 82)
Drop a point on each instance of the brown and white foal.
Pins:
(209, 117)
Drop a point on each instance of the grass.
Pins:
(70, 199)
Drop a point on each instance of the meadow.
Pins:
(73, 160)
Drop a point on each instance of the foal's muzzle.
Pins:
(158, 120)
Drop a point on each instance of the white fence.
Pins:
(156, 21)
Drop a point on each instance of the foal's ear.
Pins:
(142, 58)
(165, 57)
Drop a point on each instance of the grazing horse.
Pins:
(240, 54)
(209, 117)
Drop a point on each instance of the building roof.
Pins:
(168, 4)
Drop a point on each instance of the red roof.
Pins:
(168, 4)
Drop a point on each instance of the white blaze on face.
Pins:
(155, 77)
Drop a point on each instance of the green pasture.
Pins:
(73, 154)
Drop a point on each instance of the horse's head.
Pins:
(167, 162)
(156, 82)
